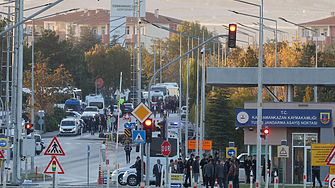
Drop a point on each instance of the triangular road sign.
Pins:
(330, 154)
(54, 148)
(1, 155)
(127, 117)
(327, 179)
(283, 151)
(331, 160)
(139, 138)
(59, 168)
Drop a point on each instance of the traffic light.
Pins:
(163, 129)
(147, 126)
(264, 132)
(54, 166)
(29, 127)
(232, 36)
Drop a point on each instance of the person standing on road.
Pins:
(171, 165)
(209, 173)
(219, 173)
(157, 173)
(203, 162)
(195, 168)
(254, 168)
(237, 165)
(188, 170)
(180, 166)
(232, 172)
(316, 174)
(127, 149)
(138, 165)
(225, 174)
(247, 169)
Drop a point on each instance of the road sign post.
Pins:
(230, 152)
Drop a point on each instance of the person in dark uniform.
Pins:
(127, 149)
(247, 169)
(203, 162)
(138, 165)
(254, 164)
(157, 173)
(188, 170)
(316, 174)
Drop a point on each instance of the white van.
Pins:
(96, 100)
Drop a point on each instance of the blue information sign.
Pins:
(138, 136)
(284, 118)
(131, 125)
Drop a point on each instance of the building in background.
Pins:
(325, 28)
(98, 20)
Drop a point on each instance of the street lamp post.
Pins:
(316, 51)
(197, 103)
(260, 87)
(261, 25)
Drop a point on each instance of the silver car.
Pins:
(69, 126)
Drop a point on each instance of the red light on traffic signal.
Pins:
(28, 126)
(232, 27)
(266, 131)
(148, 122)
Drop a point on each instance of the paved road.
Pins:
(74, 162)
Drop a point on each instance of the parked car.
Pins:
(92, 109)
(69, 126)
(127, 108)
(119, 176)
(72, 114)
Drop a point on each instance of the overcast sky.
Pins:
(214, 13)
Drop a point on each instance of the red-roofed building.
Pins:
(324, 27)
(99, 21)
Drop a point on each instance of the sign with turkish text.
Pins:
(284, 118)
(320, 153)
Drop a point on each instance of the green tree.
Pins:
(219, 119)
(107, 64)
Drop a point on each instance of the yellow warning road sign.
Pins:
(141, 112)
(319, 153)
(283, 151)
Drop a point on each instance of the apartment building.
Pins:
(325, 29)
(98, 19)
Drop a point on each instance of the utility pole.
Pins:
(32, 169)
(17, 128)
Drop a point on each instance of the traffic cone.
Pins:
(216, 183)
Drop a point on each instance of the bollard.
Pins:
(267, 178)
(251, 179)
(304, 180)
(108, 176)
(191, 176)
(162, 176)
(36, 174)
(275, 180)
(230, 184)
(170, 169)
(216, 183)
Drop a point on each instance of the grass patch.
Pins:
(32, 176)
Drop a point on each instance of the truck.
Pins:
(96, 100)
(73, 104)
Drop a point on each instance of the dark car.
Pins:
(126, 108)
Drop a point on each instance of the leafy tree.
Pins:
(50, 86)
(219, 119)
(107, 64)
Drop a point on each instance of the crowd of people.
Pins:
(98, 123)
(167, 106)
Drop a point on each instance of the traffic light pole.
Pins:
(266, 162)
(147, 165)
(167, 157)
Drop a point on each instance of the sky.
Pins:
(214, 13)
